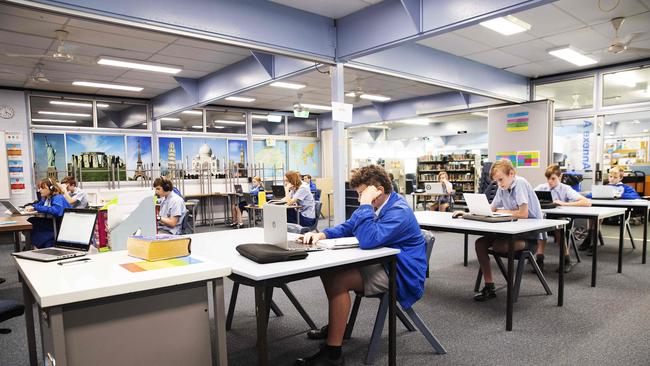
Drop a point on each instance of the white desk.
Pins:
(442, 221)
(629, 205)
(595, 215)
(264, 277)
(99, 311)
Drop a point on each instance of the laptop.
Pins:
(238, 189)
(278, 191)
(74, 238)
(433, 188)
(480, 209)
(13, 209)
(545, 199)
(603, 192)
(275, 230)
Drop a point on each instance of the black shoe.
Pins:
(2, 280)
(320, 358)
(539, 259)
(318, 333)
(568, 266)
(488, 292)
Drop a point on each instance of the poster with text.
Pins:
(15, 161)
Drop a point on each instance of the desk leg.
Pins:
(511, 270)
(560, 282)
(413, 202)
(262, 299)
(29, 323)
(392, 326)
(219, 345)
(28, 240)
(329, 212)
(465, 253)
(594, 248)
(17, 247)
(620, 242)
(645, 234)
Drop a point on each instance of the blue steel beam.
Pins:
(257, 24)
(417, 62)
(393, 22)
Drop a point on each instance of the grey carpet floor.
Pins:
(606, 325)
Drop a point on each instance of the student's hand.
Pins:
(29, 208)
(368, 195)
(313, 238)
(559, 203)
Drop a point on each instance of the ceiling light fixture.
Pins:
(226, 122)
(53, 120)
(636, 121)
(71, 104)
(219, 127)
(65, 114)
(138, 65)
(316, 106)
(572, 55)
(507, 25)
(374, 97)
(172, 119)
(194, 113)
(282, 84)
(198, 127)
(93, 84)
(416, 121)
(268, 117)
(102, 105)
(240, 99)
(480, 114)
(608, 123)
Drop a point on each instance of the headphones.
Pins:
(166, 184)
(50, 185)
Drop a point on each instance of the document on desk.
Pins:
(339, 243)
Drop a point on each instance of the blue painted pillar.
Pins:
(339, 147)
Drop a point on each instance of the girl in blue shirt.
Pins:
(52, 203)
(256, 187)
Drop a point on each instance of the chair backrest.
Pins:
(296, 229)
(318, 205)
(491, 191)
(187, 225)
(317, 193)
(430, 240)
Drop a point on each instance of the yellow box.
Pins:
(158, 247)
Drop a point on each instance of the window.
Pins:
(185, 121)
(574, 144)
(121, 115)
(268, 124)
(302, 126)
(569, 94)
(56, 111)
(626, 87)
(221, 121)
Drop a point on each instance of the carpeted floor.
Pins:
(606, 325)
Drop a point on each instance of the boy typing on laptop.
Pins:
(516, 197)
(615, 177)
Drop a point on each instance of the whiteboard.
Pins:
(5, 193)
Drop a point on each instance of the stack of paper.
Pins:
(339, 243)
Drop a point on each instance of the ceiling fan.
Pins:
(38, 77)
(622, 45)
(356, 93)
(60, 54)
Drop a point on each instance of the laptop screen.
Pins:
(278, 191)
(77, 227)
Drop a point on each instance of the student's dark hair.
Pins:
(163, 183)
(69, 180)
(553, 169)
(372, 175)
(391, 176)
(293, 178)
(51, 184)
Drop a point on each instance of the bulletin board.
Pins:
(4, 169)
(523, 133)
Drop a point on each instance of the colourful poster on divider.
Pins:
(508, 155)
(527, 159)
(517, 122)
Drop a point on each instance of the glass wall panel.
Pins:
(184, 121)
(307, 127)
(268, 124)
(226, 122)
(626, 87)
(56, 111)
(569, 94)
(121, 115)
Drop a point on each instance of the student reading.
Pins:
(383, 219)
(52, 203)
(172, 208)
(514, 196)
(563, 195)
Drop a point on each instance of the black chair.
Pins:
(373, 348)
(521, 256)
(10, 309)
(317, 207)
(317, 194)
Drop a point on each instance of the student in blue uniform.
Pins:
(255, 188)
(172, 208)
(563, 195)
(615, 177)
(383, 219)
(52, 203)
(299, 194)
(514, 196)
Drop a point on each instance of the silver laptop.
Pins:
(73, 240)
(605, 192)
(275, 230)
(479, 205)
(13, 209)
(433, 188)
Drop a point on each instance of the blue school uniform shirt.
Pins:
(395, 227)
(254, 191)
(519, 193)
(626, 192)
(561, 192)
(42, 229)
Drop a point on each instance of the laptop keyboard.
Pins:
(55, 252)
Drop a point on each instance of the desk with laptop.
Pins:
(431, 189)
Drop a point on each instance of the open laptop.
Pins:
(238, 189)
(433, 188)
(13, 209)
(605, 192)
(278, 191)
(275, 230)
(545, 199)
(74, 238)
(480, 209)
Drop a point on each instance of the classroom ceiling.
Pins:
(580, 23)
(330, 8)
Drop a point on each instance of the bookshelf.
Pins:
(351, 200)
(461, 169)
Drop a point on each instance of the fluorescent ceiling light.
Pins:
(416, 121)
(608, 123)
(71, 104)
(172, 119)
(268, 117)
(480, 114)
(636, 121)
(507, 25)
(102, 105)
(195, 113)
(375, 97)
(282, 84)
(53, 120)
(198, 127)
(139, 65)
(611, 133)
(240, 99)
(93, 84)
(226, 122)
(316, 106)
(65, 114)
(219, 127)
(572, 55)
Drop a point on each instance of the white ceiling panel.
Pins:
(121, 30)
(20, 39)
(535, 50)
(531, 70)
(201, 54)
(586, 39)
(92, 51)
(491, 38)
(150, 76)
(147, 84)
(632, 24)
(497, 58)
(556, 66)
(186, 63)
(547, 20)
(29, 26)
(605, 58)
(98, 38)
(589, 12)
(29, 14)
(455, 44)
(212, 46)
(331, 8)
(10, 48)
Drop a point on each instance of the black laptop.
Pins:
(545, 199)
(238, 189)
(278, 192)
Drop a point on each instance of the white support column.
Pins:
(339, 147)
(249, 142)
